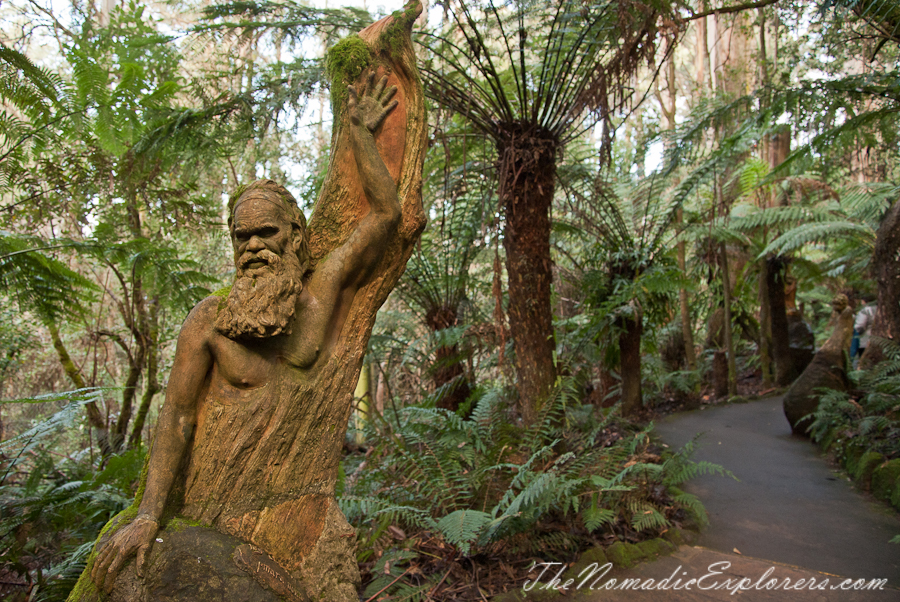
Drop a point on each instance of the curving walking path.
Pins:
(790, 510)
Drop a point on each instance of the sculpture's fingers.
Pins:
(389, 94)
(141, 559)
(376, 123)
(101, 562)
(354, 98)
(379, 89)
(112, 572)
(370, 83)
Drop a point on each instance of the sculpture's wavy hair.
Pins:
(287, 201)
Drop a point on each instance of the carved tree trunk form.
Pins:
(281, 465)
(263, 463)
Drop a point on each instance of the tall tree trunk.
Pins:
(702, 66)
(528, 173)
(781, 350)
(727, 329)
(135, 317)
(95, 418)
(630, 361)
(668, 104)
(765, 328)
(151, 387)
(886, 268)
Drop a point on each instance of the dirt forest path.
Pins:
(790, 512)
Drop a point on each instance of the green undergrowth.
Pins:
(438, 491)
(861, 428)
(53, 506)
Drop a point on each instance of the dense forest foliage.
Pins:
(633, 207)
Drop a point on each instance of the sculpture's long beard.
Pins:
(262, 305)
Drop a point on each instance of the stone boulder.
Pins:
(827, 370)
(801, 342)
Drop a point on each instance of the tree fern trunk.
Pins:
(727, 329)
(687, 331)
(630, 361)
(528, 174)
(447, 370)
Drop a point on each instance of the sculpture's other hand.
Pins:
(135, 537)
(372, 106)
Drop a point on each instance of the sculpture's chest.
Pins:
(244, 367)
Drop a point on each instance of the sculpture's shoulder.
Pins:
(199, 326)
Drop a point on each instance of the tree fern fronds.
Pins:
(819, 232)
(65, 417)
(790, 215)
(61, 577)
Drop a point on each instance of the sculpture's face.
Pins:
(839, 303)
(269, 275)
(260, 228)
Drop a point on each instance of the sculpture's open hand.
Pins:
(135, 537)
(373, 105)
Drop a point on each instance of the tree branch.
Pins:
(730, 9)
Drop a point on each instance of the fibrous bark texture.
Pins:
(447, 372)
(528, 174)
(630, 361)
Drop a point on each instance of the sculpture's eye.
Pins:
(267, 232)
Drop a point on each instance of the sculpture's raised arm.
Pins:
(352, 263)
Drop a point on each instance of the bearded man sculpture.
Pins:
(238, 497)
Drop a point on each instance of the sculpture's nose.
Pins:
(255, 244)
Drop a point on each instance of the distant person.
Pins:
(862, 328)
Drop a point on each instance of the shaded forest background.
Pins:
(634, 207)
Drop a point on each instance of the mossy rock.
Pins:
(653, 548)
(865, 467)
(589, 558)
(885, 481)
(675, 537)
(626, 555)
